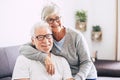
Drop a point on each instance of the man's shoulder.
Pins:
(22, 58)
(60, 58)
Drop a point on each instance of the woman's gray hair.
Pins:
(50, 9)
(40, 24)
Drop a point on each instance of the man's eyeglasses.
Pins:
(41, 37)
(51, 20)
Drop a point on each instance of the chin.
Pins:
(46, 50)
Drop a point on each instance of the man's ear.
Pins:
(33, 42)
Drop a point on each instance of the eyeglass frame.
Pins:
(57, 19)
(42, 37)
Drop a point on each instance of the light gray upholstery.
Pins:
(8, 57)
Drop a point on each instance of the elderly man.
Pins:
(26, 69)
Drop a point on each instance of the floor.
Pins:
(108, 78)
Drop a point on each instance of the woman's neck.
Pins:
(59, 35)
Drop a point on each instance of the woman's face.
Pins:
(55, 22)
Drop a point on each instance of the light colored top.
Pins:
(74, 49)
(26, 68)
(59, 44)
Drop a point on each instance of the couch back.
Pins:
(108, 68)
(8, 56)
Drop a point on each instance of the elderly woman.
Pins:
(68, 43)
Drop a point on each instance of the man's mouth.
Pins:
(46, 45)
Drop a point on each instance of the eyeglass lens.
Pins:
(51, 20)
(41, 37)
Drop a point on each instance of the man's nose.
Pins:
(45, 39)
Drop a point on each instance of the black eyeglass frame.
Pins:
(51, 20)
(41, 37)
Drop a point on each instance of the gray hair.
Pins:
(39, 25)
(49, 10)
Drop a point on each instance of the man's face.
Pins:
(43, 39)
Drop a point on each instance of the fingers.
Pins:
(51, 69)
(49, 66)
(70, 79)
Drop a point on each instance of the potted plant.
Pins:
(96, 33)
(96, 28)
(81, 18)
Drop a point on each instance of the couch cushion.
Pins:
(108, 68)
(8, 56)
(4, 65)
(12, 54)
(6, 78)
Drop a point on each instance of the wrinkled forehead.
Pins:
(53, 16)
(42, 31)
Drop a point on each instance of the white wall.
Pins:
(104, 14)
(16, 19)
(18, 16)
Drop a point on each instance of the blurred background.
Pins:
(18, 16)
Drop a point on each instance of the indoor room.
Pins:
(100, 27)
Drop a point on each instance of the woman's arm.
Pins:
(84, 56)
(22, 79)
(70, 79)
(29, 51)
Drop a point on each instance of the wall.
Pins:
(99, 12)
(119, 30)
(16, 19)
(18, 16)
(104, 14)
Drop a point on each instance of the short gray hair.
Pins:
(50, 9)
(40, 24)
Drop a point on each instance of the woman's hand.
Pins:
(49, 65)
(70, 79)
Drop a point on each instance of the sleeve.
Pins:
(66, 68)
(29, 51)
(84, 56)
(21, 69)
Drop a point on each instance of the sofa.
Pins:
(107, 69)
(8, 57)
